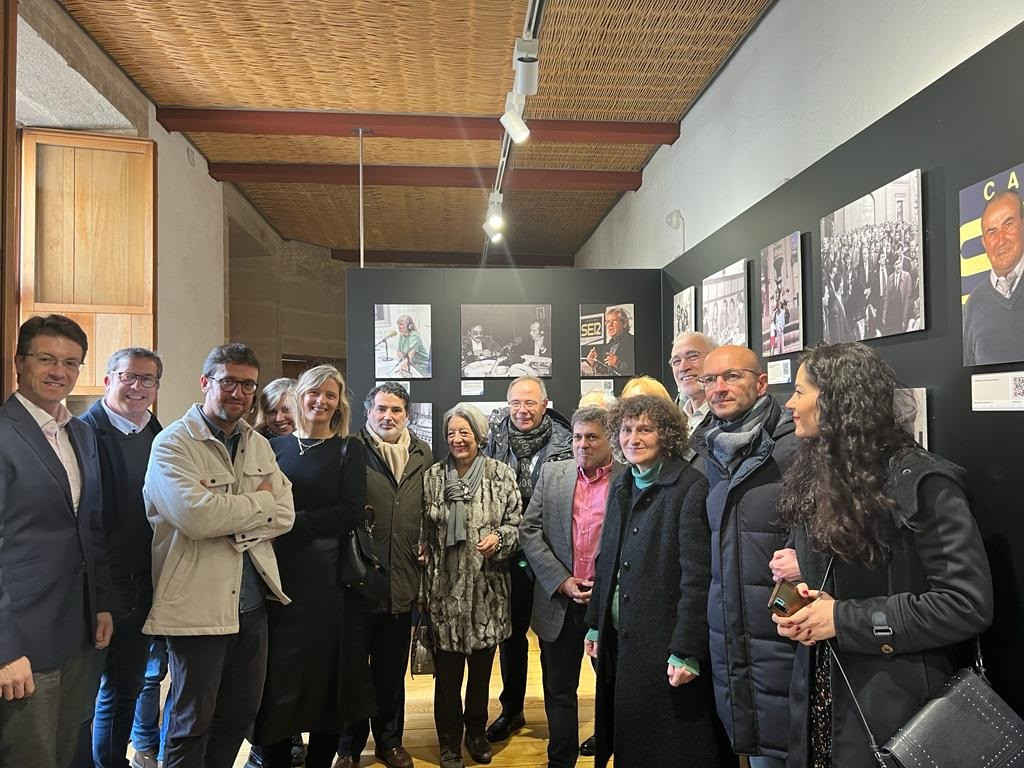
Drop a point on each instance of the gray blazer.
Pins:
(545, 534)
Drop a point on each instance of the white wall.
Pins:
(811, 76)
(191, 313)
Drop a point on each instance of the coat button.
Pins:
(906, 471)
(888, 650)
(625, 566)
(624, 634)
(636, 531)
(625, 598)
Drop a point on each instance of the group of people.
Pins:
(871, 284)
(726, 319)
(483, 356)
(645, 533)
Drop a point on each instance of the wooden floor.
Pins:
(526, 749)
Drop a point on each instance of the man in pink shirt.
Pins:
(559, 533)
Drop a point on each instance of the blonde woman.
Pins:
(275, 412)
(317, 672)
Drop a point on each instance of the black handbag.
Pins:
(421, 653)
(362, 559)
(966, 726)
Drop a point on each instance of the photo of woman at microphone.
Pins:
(402, 341)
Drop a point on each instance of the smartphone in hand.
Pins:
(785, 600)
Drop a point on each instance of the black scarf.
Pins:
(526, 445)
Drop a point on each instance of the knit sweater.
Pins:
(993, 326)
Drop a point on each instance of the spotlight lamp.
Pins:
(493, 233)
(525, 61)
(494, 215)
(512, 120)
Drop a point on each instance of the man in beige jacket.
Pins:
(216, 499)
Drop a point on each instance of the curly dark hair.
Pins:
(664, 417)
(835, 482)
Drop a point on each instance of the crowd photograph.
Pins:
(641, 541)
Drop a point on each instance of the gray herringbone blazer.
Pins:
(545, 534)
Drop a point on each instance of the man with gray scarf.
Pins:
(525, 439)
(746, 446)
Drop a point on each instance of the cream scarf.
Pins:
(395, 455)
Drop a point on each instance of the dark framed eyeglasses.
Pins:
(229, 384)
(129, 377)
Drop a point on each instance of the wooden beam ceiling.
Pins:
(292, 123)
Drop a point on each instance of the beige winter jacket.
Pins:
(206, 512)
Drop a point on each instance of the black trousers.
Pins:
(449, 716)
(387, 640)
(560, 665)
(515, 651)
(216, 687)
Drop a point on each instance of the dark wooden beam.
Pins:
(425, 176)
(457, 258)
(290, 123)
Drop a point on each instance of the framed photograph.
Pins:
(505, 341)
(421, 421)
(782, 328)
(991, 246)
(401, 334)
(872, 264)
(606, 340)
(724, 299)
(912, 412)
(682, 311)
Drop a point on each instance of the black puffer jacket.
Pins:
(751, 664)
(934, 591)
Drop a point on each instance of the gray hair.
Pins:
(606, 399)
(473, 416)
(388, 388)
(521, 379)
(594, 415)
(697, 335)
(135, 353)
(271, 395)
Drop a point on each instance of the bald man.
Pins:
(746, 445)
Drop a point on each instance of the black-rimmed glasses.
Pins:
(130, 377)
(228, 384)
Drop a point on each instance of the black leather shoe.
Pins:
(504, 726)
(589, 746)
(451, 758)
(478, 747)
(298, 751)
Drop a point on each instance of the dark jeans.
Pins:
(560, 664)
(516, 650)
(448, 712)
(387, 641)
(216, 687)
(146, 731)
(124, 672)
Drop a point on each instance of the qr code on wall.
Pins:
(1017, 387)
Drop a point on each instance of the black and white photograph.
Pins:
(421, 421)
(912, 411)
(505, 341)
(606, 340)
(724, 299)
(682, 311)
(401, 334)
(872, 266)
(991, 256)
(782, 328)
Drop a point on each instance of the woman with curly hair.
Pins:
(648, 609)
(883, 529)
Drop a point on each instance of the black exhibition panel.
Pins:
(446, 290)
(964, 128)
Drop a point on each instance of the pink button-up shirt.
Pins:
(588, 504)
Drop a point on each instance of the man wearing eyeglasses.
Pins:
(54, 581)
(125, 429)
(687, 363)
(746, 445)
(217, 500)
(525, 439)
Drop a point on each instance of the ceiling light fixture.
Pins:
(494, 215)
(512, 120)
(525, 61)
(493, 233)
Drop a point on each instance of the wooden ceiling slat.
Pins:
(475, 259)
(461, 127)
(425, 176)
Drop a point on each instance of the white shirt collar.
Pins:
(42, 417)
(121, 424)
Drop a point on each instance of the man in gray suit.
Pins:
(559, 534)
(54, 580)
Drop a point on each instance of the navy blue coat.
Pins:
(53, 568)
(751, 664)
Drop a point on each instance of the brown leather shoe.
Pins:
(396, 757)
(346, 762)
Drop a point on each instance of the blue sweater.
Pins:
(993, 326)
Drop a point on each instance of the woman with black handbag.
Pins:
(884, 529)
(317, 673)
